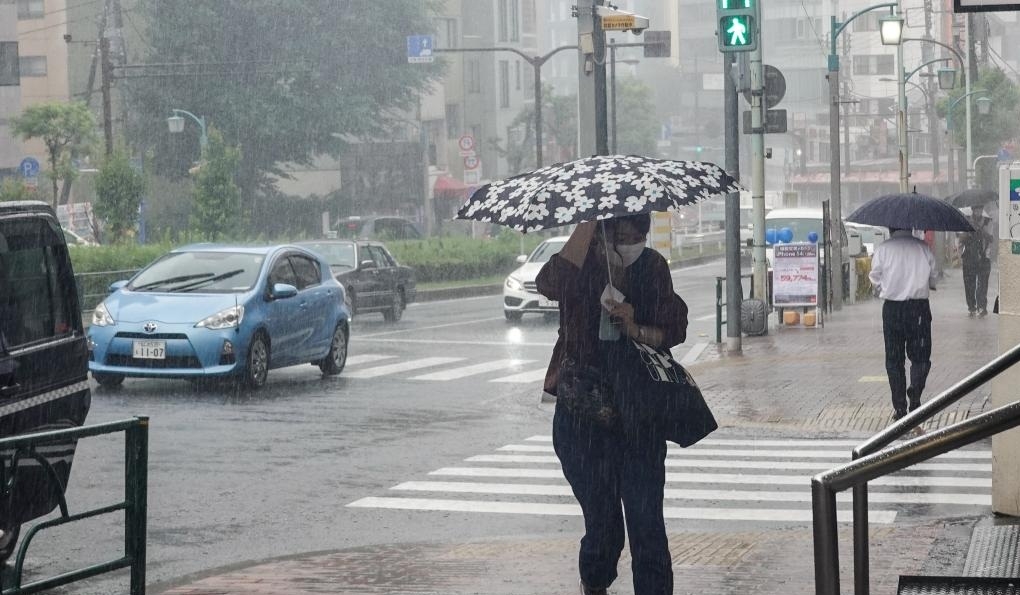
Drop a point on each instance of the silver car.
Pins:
(520, 295)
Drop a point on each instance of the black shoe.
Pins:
(982, 313)
(586, 590)
(913, 405)
(898, 415)
(972, 313)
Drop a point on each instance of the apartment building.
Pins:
(10, 88)
(42, 58)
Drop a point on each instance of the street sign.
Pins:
(419, 49)
(471, 162)
(619, 22)
(658, 44)
(466, 143)
(775, 87)
(738, 25)
(775, 121)
(472, 177)
(29, 167)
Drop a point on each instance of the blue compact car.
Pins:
(205, 311)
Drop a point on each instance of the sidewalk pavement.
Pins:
(796, 382)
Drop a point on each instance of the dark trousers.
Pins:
(975, 283)
(612, 471)
(907, 329)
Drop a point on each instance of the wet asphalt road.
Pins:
(241, 477)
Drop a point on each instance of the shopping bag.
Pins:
(652, 389)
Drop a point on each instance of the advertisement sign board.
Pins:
(795, 274)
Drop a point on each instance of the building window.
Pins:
(504, 25)
(874, 64)
(509, 20)
(447, 30)
(452, 120)
(517, 75)
(9, 72)
(31, 9)
(32, 65)
(528, 19)
(474, 82)
(515, 21)
(504, 83)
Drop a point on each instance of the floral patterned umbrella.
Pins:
(595, 188)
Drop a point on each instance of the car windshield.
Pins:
(546, 250)
(200, 272)
(800, 227)
(337, 254)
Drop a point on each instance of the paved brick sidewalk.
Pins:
(828, 381)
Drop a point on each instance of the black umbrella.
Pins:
(972, 197)
(595, 188)
(911, 211)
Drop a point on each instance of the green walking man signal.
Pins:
(737, 25)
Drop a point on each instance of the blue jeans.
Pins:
(611, 470)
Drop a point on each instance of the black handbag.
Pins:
(651, 388)
(585, 391)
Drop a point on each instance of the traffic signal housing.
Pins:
(738, 25)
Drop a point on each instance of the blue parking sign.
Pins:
(419, 49)
(29, 167)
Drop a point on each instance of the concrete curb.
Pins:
(451, 293)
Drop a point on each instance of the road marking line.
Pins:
(873, 379)
(524, 377)
(727, 478)
(730, 464)
(693, 355)
(414, 364)
(446, 342)
(679, 452)
(428, 328)
(531, 489)
(465, 371)
(698, 450)
(669, 512)
(355, 360)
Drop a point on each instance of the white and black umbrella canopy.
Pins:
(595, 188)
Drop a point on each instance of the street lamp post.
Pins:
(984, 107)
(835, 201)
(176, 125)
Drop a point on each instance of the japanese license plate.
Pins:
(149, 350)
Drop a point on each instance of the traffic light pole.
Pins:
(759, 264)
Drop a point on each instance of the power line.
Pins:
(67, 22)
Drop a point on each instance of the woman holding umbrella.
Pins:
(612, 465)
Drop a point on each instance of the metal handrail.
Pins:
(871, 461)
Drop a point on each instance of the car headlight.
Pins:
(229, 318)
(101, 316)
(514, 284)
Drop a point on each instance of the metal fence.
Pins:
(94, 287)
(136, 461)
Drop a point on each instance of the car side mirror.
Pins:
(522, 258)
(117, 285)
(368, 264)
(282, 291)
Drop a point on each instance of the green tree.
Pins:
(15, 189)
(119, 190)
(216, 197)
(67, 129)
(559, 130)
(990, 131)
(637, 124)
(295, 79)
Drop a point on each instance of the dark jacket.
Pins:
(648, 287)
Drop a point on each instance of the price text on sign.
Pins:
(795, 274)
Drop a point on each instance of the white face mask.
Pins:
(629, 252)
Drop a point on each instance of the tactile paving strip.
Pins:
(994, 552)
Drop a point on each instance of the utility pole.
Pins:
(593, 126)
(734, 285)
(760, 266)
(106, 67)
(971, 75)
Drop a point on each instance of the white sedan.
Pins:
(520, 295)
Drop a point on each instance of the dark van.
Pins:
(43, 362)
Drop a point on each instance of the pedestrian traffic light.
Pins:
(738, 25)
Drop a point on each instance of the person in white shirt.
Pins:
(903, 271)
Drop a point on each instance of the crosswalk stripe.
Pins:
(367, 358)
(466, 371)
(669, 512)
(524, 377)
(769, 443)
(726, 478)
(729, 464)
(519, 489)
(414, 364)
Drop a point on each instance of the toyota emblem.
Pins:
(150, 327)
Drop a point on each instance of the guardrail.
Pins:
(136, 458)
(720, 304)
(871, 461)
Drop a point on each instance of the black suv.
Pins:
(43, 361)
